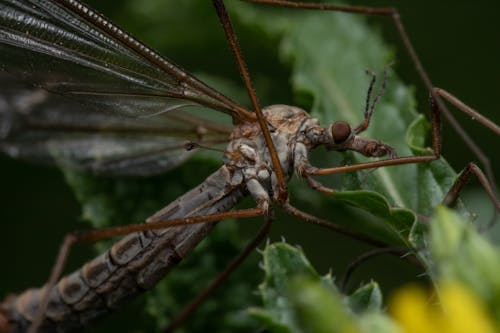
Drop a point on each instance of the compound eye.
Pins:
(340, 131)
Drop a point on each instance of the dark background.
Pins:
(458, 43)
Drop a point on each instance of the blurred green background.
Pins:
(458, 43)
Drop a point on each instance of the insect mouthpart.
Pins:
(343, 138)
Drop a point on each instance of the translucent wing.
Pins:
(67, 48)
(105, 85)
(44, 127)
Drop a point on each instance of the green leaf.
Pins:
(324, 56)
(319, 309)
(366, 298)
(296, 299)
(398, 221)
(327, 54)
(289, 286)
(461, 253)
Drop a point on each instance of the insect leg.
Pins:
(233, 43)
(94, 235)
(393, 14)
(217, 281)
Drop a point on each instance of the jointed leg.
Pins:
(305, 217)
(191, 307)
(395, 250)
(95, 235)
(435, 94)
(332, 226)
(436, 142)
(233, 43)
(468, 110)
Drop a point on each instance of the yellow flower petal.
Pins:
(464, 313)
(410, 308)
(458, 311)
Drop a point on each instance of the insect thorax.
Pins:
(248, 152)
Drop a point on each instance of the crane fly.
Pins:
(111, 100)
